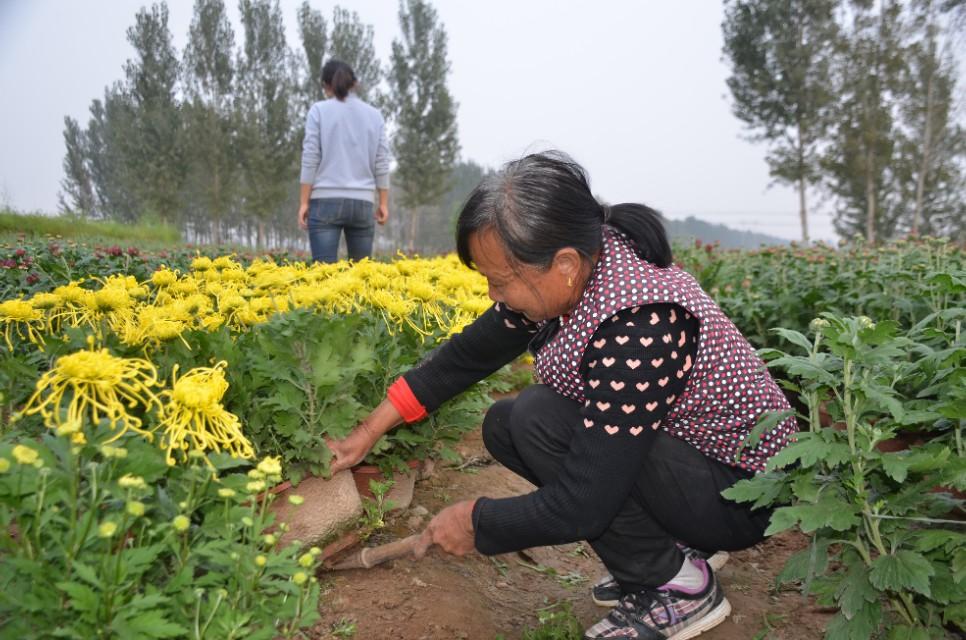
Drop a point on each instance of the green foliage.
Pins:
(780, 54)
(94, 543)
(882, 547)
(557, 622)
(376, 508)
(69, 226)
(426, 141)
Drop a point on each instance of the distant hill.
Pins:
(691, 229)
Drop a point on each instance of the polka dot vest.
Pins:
(728, 388)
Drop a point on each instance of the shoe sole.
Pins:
(715, 617)
(718, 560)
(604, 603)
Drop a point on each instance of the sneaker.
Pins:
(606, 592)
(665, 613)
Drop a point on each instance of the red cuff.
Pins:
(401, 397)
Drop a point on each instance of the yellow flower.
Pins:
(315, 551)
(107, 529)
(24, 454)
(260, 560)
(4, 465)
(109, 451)
(226, 493)
(299, 578)
(164, 277)
(135, 508)
(307, 560)
(271, 466)
(181, 523)
(192, 416)
(247, 521)
(99, 385)
(69, 428)
(20, 318)
(78, 438)
(269, 539)
(127, 481)
(256, 486)
(111, 299)
(201, 263)
(296, 500)
(255, 474)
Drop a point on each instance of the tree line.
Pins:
(856, 100)
(208, 139)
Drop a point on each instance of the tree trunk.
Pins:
(926, 153)
(260, 237)
(802, 211)
(413, 228)
(870, 212)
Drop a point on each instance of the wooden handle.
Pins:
(370, 557)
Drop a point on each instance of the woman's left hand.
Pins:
(451, 529)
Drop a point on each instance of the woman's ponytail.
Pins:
(340, 77)
(644, 226)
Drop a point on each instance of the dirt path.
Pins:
(479, 598)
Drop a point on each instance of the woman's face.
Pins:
(539, 295)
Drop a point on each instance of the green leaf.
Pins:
(781, 519)
(87, 574)
(149, 624)
(902, 571)
(82, 597)
(855, 590)
(902, 632)
(809, 449)
(795, 338)
(896, 466)
(861, 626)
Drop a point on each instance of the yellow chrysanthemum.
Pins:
(164, 277)
(201, 263)
(20, 317)
(193, 417)
(99, 385)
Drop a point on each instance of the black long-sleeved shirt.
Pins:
(634, 368)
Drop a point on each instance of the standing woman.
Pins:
(345, 160)
(647, 399)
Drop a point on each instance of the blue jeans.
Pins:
(329, 217)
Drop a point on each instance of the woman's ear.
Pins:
(567, 263)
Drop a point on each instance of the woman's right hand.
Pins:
(352, 449)
(304, 216)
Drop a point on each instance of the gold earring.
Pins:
(570, 281)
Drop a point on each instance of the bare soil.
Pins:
(480, 598)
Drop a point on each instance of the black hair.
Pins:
(339, 76)
(542, 203)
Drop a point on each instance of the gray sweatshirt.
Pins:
(345, 153)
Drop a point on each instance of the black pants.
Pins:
(676, 497)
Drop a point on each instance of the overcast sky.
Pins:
(634, 90)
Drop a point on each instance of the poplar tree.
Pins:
(78, 189)
(861, 162)
(425, 142)
(352, 42)
(315, 41)
(935, 145)
(265, 101)
(209, 75)
(780, 55)
(155, 147)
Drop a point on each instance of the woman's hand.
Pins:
(351, 450)
(304, 216)
(451, 529)
(382, 213)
